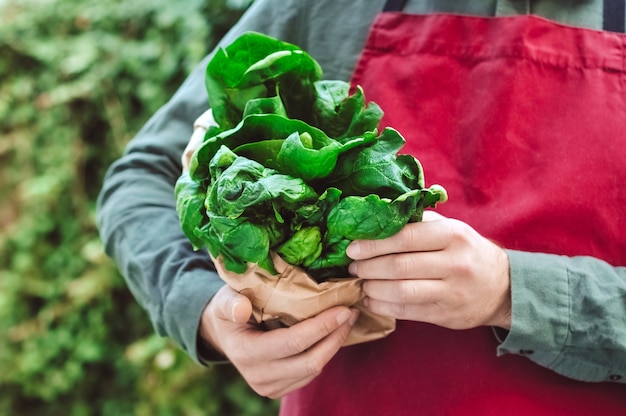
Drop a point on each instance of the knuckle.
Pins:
(408, 235)
(462, 266)
(399, 265)
(260, 383)
(265, 392)
(314, 366)
(368, 246)
(408, 292)
(398, 309)
(458, 230)
(404, 265)
(296, 345)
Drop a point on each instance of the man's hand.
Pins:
(439, 271)
(279, 361)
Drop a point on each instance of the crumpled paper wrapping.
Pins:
(292, 296)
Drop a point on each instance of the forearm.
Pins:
(568, 315)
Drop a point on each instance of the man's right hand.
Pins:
(278, 361)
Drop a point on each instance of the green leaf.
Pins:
(298, 157)
(341, 115)
(258, 66)
(316, 213)
(305, 151)
(246, 183)
(190, 208)
(333, 261)
(268, 105)
(370, 217)
(377, 169)
(253, 128)
(303, 248)
(238, 240)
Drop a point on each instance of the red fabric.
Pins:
(522, 120)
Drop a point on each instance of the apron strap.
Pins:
(614, 15)
(394, 5)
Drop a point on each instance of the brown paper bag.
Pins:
(292, 296)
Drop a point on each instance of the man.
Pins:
(519, 117)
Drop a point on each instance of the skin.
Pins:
(439, 271)
(274, 363)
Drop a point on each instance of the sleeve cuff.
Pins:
(539, 307)
(183, 311)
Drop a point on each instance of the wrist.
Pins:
(207, 349)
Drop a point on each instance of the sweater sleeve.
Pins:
(137, 219)
(568, 315)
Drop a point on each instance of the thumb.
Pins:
(241, 309)
(233, 306)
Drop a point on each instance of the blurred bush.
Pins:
(77, 80)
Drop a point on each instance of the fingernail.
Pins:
(354, 317)
(343, 317)
(233, 316)
(366, 302)
(352, 269)
(354, 249)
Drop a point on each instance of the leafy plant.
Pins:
(296, 165)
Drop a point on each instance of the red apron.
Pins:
(523, 121)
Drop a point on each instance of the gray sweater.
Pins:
(140, 228)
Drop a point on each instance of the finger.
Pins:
(405, 291)
(298, 370)
(241, 310)
(301, 369)
(287, 342)
(424, 265)
(423, 312)
(233, 306)
(418, 236)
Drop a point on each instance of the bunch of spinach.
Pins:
(297, 165)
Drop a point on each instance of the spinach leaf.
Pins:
(256, 66)
(302, 150)
(303, 248)
(333, 262)
(371, 217)
(189, 206)
(246, 183)
(316, 213)
(238, 240)
(377, 169)
(342, 115)
(269, 105)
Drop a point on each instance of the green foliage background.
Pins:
(77, 80)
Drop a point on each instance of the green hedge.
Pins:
(77, 80)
